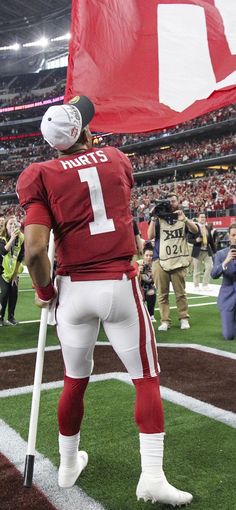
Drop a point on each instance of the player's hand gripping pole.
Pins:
(29, 460)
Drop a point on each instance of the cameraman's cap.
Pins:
(62, 124)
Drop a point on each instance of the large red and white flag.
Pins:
(150, 64)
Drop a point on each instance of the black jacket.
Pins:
(211, 249)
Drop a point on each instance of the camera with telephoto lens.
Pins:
(147, 282)
(146, 269)
(162, 209)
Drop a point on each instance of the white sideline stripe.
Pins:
(197, 347)
(199, 407)
(192, 306)
(45, 474)
(190, 403)
(203, 348)
(29, 351)
(213, 289)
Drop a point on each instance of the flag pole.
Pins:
(30, 456)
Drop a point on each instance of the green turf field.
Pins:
(199, 455)
(200, 452)
(204, 320)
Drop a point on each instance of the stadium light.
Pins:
(43, 42)
(65, 37)
(15, 47)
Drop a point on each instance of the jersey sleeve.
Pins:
(33, 196)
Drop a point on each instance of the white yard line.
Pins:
(193, 404)
(197, 347)
(45, 474)
(203, 348)
(28, 351)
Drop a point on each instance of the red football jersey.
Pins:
(85, 198)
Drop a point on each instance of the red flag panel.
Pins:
(150, 64)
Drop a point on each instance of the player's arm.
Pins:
(36, 257)
(38, 223)
(37, 261)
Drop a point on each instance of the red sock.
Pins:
(71, 405)
(149, 415)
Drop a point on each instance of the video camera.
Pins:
(162, 209)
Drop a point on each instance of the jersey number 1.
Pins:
(101, 223)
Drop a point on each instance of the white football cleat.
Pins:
(158, 490)
(67, 476)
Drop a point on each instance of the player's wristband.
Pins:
(46, 293)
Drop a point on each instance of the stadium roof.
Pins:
(24, 21)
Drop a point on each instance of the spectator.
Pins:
(170, 260)
(225, 264)
(12, 253)
(203, 249)
(146, 278)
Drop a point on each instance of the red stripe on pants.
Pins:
(142, 331)
(153, 343)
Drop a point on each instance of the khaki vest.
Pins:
(173, 252)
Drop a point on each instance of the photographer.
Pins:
(203, 250)
(11, 253)
(146, 279)
(225, 264)
(169, 227)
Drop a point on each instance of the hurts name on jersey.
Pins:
(89, 158)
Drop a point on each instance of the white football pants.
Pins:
(119, 305)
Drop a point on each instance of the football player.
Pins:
(84, 196)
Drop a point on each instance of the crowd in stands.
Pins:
(7, 186)
(31, 97)
(24, 84)
(176, 154)
(214, 117)
(210, 193)
(184, 153)
(17, 160)
(21, 142)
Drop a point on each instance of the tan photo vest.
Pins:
(173, 249)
